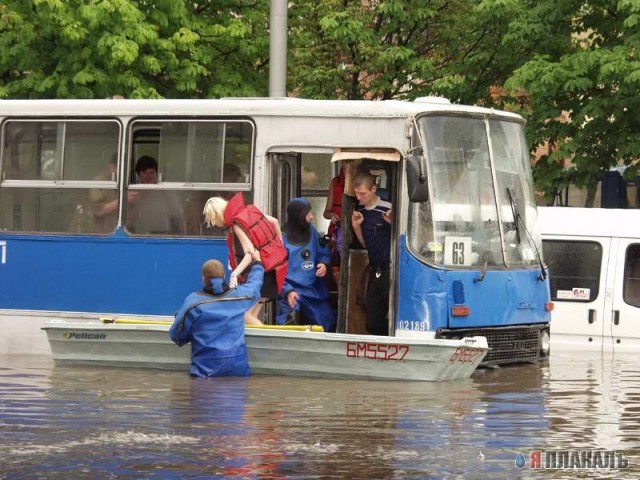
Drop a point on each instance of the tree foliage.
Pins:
(405, 49)
(575, 60)
(132, 48)
(585, 102)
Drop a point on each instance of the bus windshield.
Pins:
(480, 211)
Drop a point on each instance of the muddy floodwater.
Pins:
(580, 410)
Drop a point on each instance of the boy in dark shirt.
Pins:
(371, 223)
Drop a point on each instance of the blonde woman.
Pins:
(249, 230)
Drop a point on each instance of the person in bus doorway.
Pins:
(154, 211)
(333, 207)
(305, 288)
(250, 230)
(212, 320)
(333, 213)
(371, 222)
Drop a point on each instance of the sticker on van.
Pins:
(574, 294)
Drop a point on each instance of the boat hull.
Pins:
(275, 352)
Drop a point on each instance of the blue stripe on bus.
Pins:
(116, 274)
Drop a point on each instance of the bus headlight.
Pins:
(545, 343)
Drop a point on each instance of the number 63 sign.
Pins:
(457, 251)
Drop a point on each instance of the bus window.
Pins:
(48, 171)
(462, 205)
(574, 268)
(482, 213)
(632, 276)
(196, 152)
(316, 174)
(194, 160)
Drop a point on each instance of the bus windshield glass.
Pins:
(480, 213)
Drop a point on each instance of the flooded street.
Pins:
(97, 423)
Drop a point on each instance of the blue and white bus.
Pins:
(81, 237)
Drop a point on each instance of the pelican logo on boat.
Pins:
(84, 336)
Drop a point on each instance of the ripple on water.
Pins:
(79, 422)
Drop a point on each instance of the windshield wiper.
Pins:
(483, 273)
(516, 215)
(517, 219)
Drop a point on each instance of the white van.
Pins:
(593, 255)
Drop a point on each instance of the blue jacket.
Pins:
(303, 260)
(313, 303)
(214, 324)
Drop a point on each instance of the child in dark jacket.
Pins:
(305, 288)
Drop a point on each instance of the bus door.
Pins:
(302, 172)
(286, 183)
(354, 262)
(578, 284)
(622, 319)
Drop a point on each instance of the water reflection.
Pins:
(81, 422)
(595, 400)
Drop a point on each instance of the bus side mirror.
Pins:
(417, 179)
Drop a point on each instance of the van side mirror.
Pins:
(417, 179)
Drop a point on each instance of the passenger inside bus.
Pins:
(154, 211)
(232, 174)
(105, 202)
(371, 223)
(333, 213)
(305, 294)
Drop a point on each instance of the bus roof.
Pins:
(266, 106)
(589, 222)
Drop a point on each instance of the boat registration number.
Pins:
(465, 355)
(377, 351)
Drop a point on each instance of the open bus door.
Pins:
(285, 184)
(288, 182)
(352, 282)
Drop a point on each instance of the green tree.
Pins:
(405, 49)
(132, 48)
(585, 102)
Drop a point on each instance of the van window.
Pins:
(632, 275)
(574, 269)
